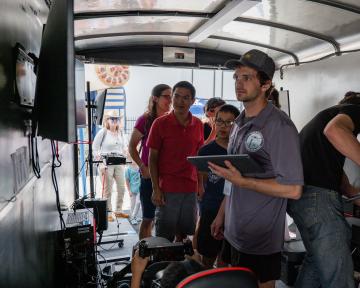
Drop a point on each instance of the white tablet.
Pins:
(243, 162)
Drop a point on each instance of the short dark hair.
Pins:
(351, 97)
(213, 103)
(227, 108)
(178, 271)
(187, 85)
(274, 97)
(263, 78)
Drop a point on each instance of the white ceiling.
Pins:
(288, 30)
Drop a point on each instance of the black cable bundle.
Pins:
(55, 164)
(35, 156)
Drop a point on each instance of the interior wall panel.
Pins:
(26, 248)
(316, 86)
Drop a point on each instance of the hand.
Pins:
(212, 134)
(217, 228)
(196, 256)
(138, 265)
(131, 194)
(157, 197)
(212, 122)
(230, 173)
(144, 171)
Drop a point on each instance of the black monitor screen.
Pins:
(54, 109)
(80, 93)
(100, 106)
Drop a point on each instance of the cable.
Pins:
(117, 237)
(80, 142)
(80, 203)
(77, 180)
(315, 60)
(12, 199)
(96, 220)
(57, 154)
(54, 181)
(35, 156)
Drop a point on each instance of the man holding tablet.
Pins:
(252, 215)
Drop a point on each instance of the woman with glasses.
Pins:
(210, 109)
(159, 105)
(110, 140)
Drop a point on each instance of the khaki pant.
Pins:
(108, 174)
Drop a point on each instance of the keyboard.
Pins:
(78, 217)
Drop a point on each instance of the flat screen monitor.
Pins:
(100, 106)
(80, 93)
(54, 110)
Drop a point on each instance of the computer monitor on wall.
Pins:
(55, 108)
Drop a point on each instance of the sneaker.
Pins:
(133, 221)
(121, 215)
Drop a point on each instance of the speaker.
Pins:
(100, 212)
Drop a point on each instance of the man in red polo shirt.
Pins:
(172, 138)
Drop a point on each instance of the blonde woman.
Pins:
(108, 140)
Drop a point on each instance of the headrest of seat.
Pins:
(229, 277)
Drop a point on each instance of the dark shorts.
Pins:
(265, 267)
(177, 217)
(208, 246)
(148, 208)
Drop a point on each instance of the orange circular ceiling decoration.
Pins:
(112, 75)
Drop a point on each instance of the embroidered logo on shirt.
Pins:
(254, 141)
(213, 178)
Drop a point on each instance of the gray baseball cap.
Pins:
(256, 59)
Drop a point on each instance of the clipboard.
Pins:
(243, 162)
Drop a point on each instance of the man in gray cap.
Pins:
(252, 215)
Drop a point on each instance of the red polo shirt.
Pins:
(174, 143)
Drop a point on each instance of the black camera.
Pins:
(161, 253)
(113, 159)
(160, 249)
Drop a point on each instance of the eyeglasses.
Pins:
(167, 96)
(212, 110)
(220, 122)
(114, 119)
(243, 77)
